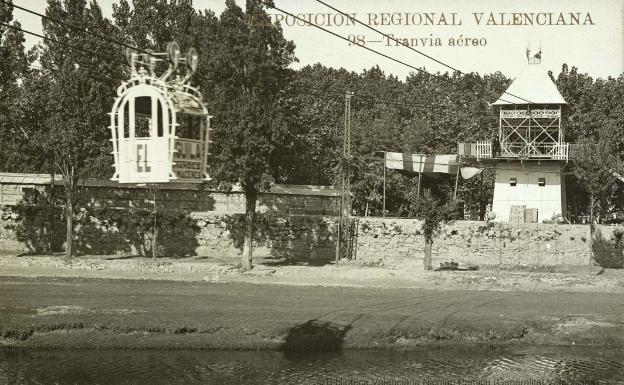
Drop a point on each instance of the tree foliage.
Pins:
(71, 95)
(16, 154)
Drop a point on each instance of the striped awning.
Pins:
(428, 164)
(422, 163)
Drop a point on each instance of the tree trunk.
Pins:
(155, 238)
(155, 232)
(250, 221)
(591, 208)
(590, 243)
(52, 205)
(69, 235)
(591, 228)
(427, 260)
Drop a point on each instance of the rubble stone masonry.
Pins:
(290, 229)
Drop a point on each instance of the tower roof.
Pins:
(531, 86)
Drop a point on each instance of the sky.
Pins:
(594, 43)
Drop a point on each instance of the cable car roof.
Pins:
(187, 103)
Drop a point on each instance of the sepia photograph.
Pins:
(328, 192)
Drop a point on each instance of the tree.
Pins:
(151, 24)
(434, 213)
(251, 125)
(81, 74)
(17, 154)
(593, 167)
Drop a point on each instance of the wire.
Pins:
(206, 69)
(61, 43)
(360, 45)
(410, 47)
(396, 101)
(368, 96)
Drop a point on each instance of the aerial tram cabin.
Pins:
(159, 124)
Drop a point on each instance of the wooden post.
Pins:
(337, 244)
(154, 189)
(419, 178)
(420, 170)
(456, 179)
(383, 212)
(52, 203)
(481, 208)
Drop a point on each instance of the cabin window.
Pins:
(126, 120)
(541, 182)
(513, 181)
(142, 116)
(189, 126)
(159, 129)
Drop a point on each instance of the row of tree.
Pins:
(272, 123)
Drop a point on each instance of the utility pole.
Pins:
(344, 240)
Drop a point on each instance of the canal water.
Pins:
(440, 366)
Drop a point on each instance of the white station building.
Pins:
(531, 153)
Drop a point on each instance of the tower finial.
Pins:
(537, 57)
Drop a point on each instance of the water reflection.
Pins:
(463, 365)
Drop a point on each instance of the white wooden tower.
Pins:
(531, 150)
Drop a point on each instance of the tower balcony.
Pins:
(485, 150)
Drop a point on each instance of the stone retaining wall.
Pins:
(471, 242)
(181, 234)
(309, 238)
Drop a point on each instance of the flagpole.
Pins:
(456, 179)
(420, 170)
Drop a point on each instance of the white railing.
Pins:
(535, 114)
(561, 151)
(557, 151)
(484, 149)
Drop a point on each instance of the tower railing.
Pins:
(479, 150)
(556, 151)
(484, 150)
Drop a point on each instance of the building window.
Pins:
(513, 181)
(541, 182)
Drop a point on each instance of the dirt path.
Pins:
(87, 313)
(586, 279)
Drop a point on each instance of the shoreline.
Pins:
(92, 339)
(71, 313)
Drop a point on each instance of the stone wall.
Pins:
(277, 238)
(288, 232)
(470, 242)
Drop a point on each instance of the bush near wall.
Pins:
(41, 229)
(287, 239)
(277, 238)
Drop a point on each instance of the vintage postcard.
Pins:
(312, 192)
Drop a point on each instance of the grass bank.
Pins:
(112, 314)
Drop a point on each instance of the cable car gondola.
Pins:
(159, 124)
